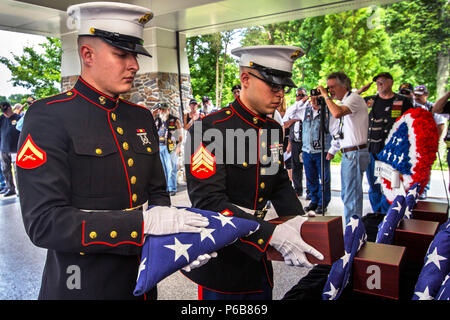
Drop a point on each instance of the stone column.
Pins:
(157, 78)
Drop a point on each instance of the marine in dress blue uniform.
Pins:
(85, 172)
(237, 176)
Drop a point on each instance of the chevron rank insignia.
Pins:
(30, 156)
(203, 163)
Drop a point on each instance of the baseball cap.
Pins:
(386, 75)
(420, 90)
(406, 87)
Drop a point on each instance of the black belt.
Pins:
(361, 146)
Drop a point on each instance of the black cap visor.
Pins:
(275, 76)
(122, 41)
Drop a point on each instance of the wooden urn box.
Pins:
(431, 211)
(324, 233)
(376, 270)
(416, 236)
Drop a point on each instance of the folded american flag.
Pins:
(386, 229)
(411, 198)
(354, 238)
(163, 255)
(433, 280)
(444, 291)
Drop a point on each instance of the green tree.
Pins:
(420, 35)
(213, 71)
(38, 72)
(356, 47)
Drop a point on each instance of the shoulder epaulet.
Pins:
(59, 97)
(135, 105)
(273, 121)
(219, 116)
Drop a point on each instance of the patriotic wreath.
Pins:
(410, 149)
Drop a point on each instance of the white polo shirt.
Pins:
(354, 125)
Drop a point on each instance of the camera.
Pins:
(339, 135)
(315, 92)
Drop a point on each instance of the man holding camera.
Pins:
(352, 137)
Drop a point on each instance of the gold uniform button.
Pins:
(130, 162)
(228, 112)
(263, 171)
(113, 234)
(133, 180)
(69, 93)
(134, 197)
(98, 151)
(93, 235)
(260, 241)
(263, 185)
(149, 149)
(260, 199)
(134, 234)
(245, 164)
(264, 158)
(81, 253)
(125, 146)
(102, 100)
(263, 144)
(119, 130)
(113, 116)
(255, 120)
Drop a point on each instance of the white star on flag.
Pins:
(180, 249)
(408, 213)
(400, 158)
(425, 295)
(333, 292)
(141, 267)
(398, 207)
(206, 233)
(412, 192)
(345, 258)
(353, 223)
(435, 258)
(224, 220)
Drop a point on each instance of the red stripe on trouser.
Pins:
(200, 293)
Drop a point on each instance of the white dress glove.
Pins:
(161, 220)
(287, 240)
(200, 261)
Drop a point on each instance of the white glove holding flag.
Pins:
(287, 240)
(200, 261)
(161, 220)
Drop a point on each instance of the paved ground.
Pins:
(21, 262)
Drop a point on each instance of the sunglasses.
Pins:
(301, 95)
(273, 87)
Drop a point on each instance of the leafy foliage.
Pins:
(35, 71)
